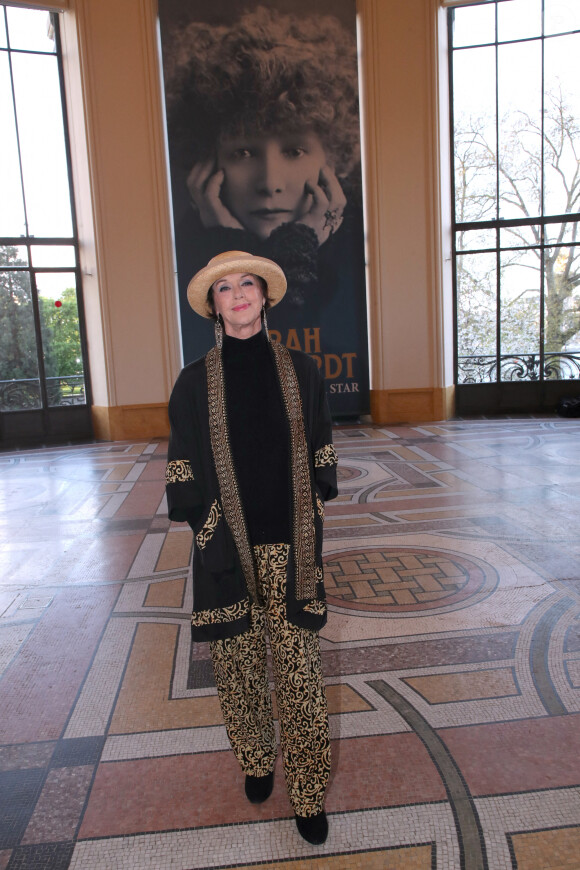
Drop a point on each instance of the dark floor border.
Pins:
(469, 832)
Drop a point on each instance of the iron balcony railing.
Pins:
(25, 394)
(483, 368)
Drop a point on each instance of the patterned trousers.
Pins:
(241, 674)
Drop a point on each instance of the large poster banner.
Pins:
(264, 148)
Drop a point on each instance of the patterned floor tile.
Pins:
(41, 685)
(554, 850)
(76, 752)
(57, 856)
(467, 686)
(19, 791)
(452, 654)
(166, 593)
(59, 806)
(410, 858)
(517, 756)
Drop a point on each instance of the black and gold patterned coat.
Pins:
(202, 490)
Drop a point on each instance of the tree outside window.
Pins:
(41, 356)
(516, 131)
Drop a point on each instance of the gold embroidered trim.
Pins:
(224, 465)
(221, 614)
(205, 535)
(272, 568)
(303, 533)
(320, 506)
(178, 471)
(318, 608)
(327, 455)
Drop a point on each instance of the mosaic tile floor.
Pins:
(452, 656)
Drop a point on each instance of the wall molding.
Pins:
(50, 5)
(412, 406)
(128, 422)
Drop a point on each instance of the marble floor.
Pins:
(451, 653)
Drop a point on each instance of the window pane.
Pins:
(38, 299)
(537, 139)
(13, 255)
(475, 120)
(59, 317)
(515, 237)
(520, 315)
(519, 19)
(39, 112)
(562, 124)
(562, 299)
(11, 202)
(520, 129)
(557, 234)
(472, 240)
(476, 317)
(561, 15)
(19, 384)
(474, 26)
(30, 29)
(53, 255)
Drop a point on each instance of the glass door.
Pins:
(43, 371)
(516, 243)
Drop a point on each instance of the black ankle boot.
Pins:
(314, 829)
(259, 788)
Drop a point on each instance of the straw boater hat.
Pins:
(225, 264)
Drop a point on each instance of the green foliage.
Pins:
(17, 339)
(60, 335)
(60, 327)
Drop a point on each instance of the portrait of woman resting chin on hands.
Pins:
(263, 120)
(259, 183)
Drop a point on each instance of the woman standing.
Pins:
(250, 464)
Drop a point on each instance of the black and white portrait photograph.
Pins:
(263, 134)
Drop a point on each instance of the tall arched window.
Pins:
(43, 373)
(516, 160)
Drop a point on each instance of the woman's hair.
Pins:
(261, 282)
(266, 73)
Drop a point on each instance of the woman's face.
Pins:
(265, 178)
(238, 297)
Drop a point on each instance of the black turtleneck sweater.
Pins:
(259, 437)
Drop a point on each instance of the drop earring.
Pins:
(265, 322)
(219, 332)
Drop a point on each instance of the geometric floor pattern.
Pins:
(451, 655)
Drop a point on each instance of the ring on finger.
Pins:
(331, 219)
